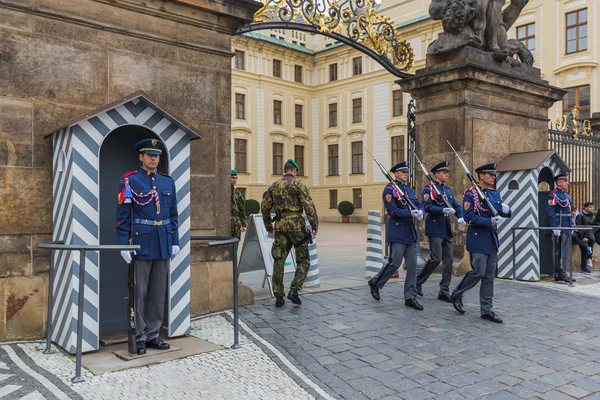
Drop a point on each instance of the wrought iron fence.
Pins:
(573, 141)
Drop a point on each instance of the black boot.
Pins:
(413, 303)
(157, 344)
(141, 348)
(279, 302)
(374, 290)
(458, 304)
(293, 296)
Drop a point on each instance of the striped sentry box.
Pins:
(76, 218)
(374, 257)
(313, 278)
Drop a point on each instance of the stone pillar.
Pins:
(486, 109)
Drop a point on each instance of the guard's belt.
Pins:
(151, 222)
(291, 213)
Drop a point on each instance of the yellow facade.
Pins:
(542, 22)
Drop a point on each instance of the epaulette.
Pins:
(553, 191)
(126, 174)
(163, 174)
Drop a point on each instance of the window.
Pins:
(356, 110)
(397, 149)
(333, 114)
(357, 198)
(277, 68)
(277, 112)
(332, 151)
(332, 72)
(242, 191)
(357, 66)
(578, 97)
(277, 158)
(298, 73)
(333, 202)
(239, 148)
(577, 31)
(397, 103)
(526, 35)
(299, 158)
(298, 119)
(240, 104)
(579, 193)
(239, 59)
(357, 157)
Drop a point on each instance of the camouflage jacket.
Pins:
(287, 198)
(238, 212)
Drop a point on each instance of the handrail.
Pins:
(547, 228)
(59, 245)
(233, 241)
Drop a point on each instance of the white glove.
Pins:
(498, 220)
(505, 208)
(174, 250)
(462, 222)
(418, 214)
(449, 211)
(556, 232)
(126, 254)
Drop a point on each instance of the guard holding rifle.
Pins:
(439, 204)
(559, 216)
(402, 206)
(483, 211)
(155, 229)
(287, 198)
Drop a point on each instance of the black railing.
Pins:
(581, 152)
(411, 132)
(60, 245)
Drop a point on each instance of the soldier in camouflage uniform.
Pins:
(239, 222)
(287, 198)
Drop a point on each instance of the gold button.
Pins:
(154, 187)
(141, 193)
(152, 178)
(158, 212)
(137, 233)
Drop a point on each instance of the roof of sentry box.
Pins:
(140, 94)
(529, 160)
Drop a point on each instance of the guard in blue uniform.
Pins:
(402, 236)
(482, 241)
(438, 229)
(558, 210)
(155, 229)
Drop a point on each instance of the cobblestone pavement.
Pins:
(358, 348)
(254, 371)
(342, 344)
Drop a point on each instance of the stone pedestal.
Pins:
(486, 109)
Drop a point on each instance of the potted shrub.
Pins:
(252, 207)
(346, 209)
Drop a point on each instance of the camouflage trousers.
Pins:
(281, 248)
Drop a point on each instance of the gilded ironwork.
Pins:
(353, 22)
(572, 123)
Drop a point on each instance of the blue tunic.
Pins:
(559, 202)
(155, 226)
(400, 224)
(482, 234)
(437, 224)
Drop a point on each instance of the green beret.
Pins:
(233, 172)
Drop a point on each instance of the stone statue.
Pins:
(481, 24)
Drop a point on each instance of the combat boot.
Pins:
(279, 302)
(293, 296)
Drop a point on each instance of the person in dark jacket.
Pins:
(585, 239)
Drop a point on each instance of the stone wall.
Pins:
(60, 58)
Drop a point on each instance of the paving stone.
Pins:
(416, 394)
(573, 391)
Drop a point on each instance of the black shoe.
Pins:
(157, 344)
(414, 304)
(445, 297)
(492, 317)
(568, 280)
(458, 304)
(374, 290)
(141, 348)
(293, 296)
(279, 302)
(419, 290)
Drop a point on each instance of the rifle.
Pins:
(433, 185)
(387, 174)
(131, 342)
(479, 192)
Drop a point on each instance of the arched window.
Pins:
(513, 185)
